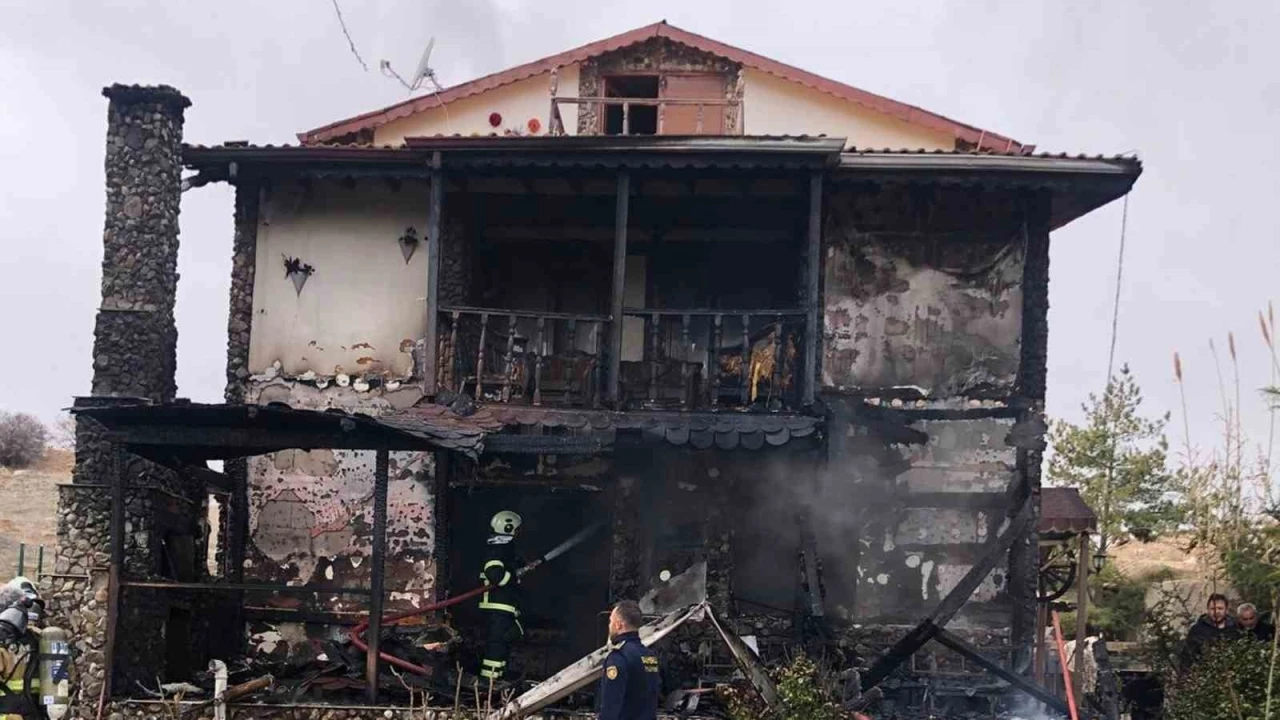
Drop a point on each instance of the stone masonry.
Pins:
(134, 350)
(134, 357)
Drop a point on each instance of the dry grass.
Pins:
(28, 510)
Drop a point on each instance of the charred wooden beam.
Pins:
(813, 300)
(217, 442)
(951, 604)
(434, 227)
(958, 645)
(116, 570)
(621, 209)
(245, 587)
(377, 573)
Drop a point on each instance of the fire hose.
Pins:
(358, 631)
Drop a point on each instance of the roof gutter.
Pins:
(939, 162)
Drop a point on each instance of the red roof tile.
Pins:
(920, 117)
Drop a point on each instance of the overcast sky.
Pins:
(1192, 87)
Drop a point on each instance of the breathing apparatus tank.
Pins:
(55, 669)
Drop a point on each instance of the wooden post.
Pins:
(654, 325)
(484, 336)
(511, 359)
(571, 338)
(687, 392)
(376, 572)
(812, 298)
(434, 227)
(619, 283)
(745, 370)
(779, 357)
(1082, 612)
(1040, 663)
(455, 364)
(713, 363)
(115, 574)
(596, 344)
(537, 363)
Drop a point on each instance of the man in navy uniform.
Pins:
(631, 683)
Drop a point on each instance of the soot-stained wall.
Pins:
(310, 518)
(933, 311)
(923, 372)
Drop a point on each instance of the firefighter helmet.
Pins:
(506, 522)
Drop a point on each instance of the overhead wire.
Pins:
(1111, 360)
(343, 23)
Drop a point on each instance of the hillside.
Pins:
(28, 510)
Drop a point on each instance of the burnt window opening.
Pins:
(178, 557)
(641, 119)
(213, 520)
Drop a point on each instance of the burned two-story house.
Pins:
(786, 337)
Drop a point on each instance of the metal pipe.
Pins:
(1062, 659)
(378, 570)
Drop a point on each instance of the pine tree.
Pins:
(1117, 460)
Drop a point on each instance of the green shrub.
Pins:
(1229, 683)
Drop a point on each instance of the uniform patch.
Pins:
(611, 672)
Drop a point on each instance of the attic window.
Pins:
(641, 119)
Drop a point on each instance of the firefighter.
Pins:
(500, 603)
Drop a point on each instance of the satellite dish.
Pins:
(424, 70)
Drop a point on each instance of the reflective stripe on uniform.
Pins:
(15, 685)
(485, 604)
(491, 674)
(494, 663)
(506, 574)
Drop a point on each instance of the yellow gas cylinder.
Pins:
(55, 670)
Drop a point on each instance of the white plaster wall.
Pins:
(774, 106)
(517, 103)
(362, 304)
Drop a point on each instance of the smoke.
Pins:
(786, 489)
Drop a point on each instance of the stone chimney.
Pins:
(134, 356)
(135, 337)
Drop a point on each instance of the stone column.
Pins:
(134, 357)
(135, 339)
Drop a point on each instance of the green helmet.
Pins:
(506, 522)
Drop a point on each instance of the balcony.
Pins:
(706, 359)
(652, 116)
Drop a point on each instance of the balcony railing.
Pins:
(682, 359)
(706, 108)
(521, 357)
(712, 359)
